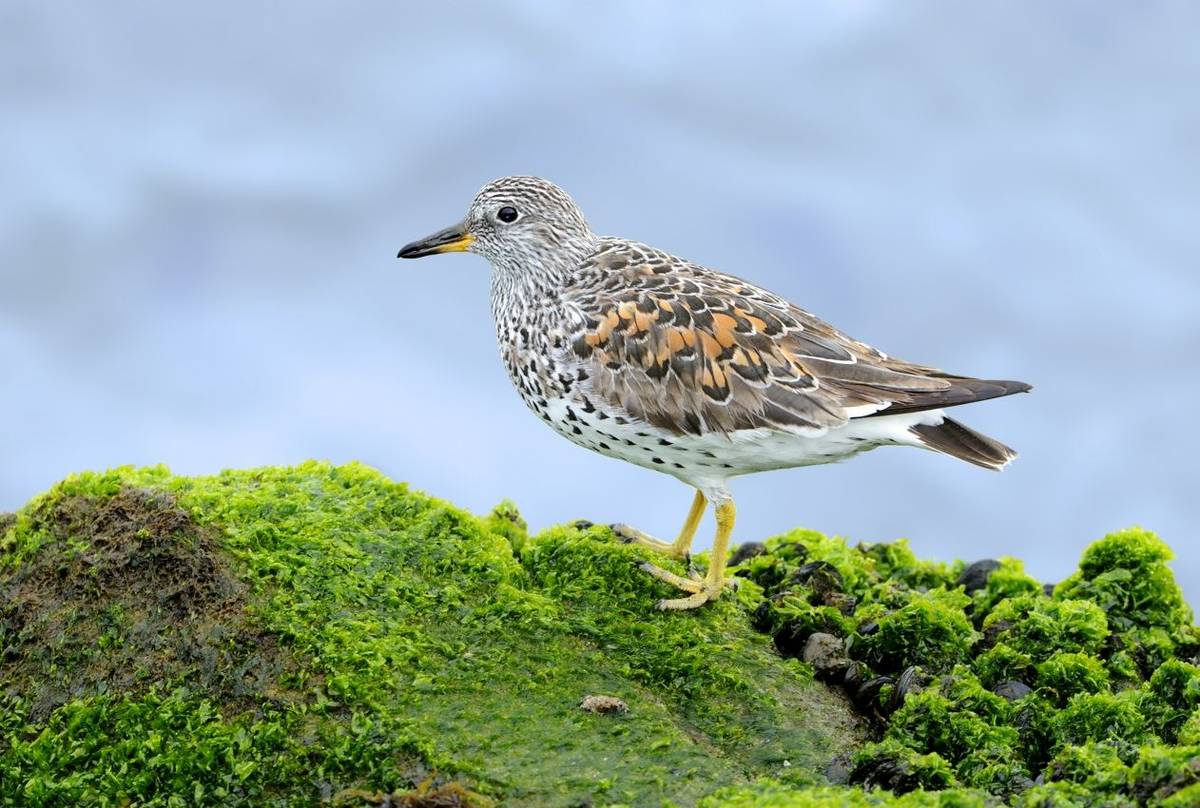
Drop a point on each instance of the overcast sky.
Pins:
(202, 205)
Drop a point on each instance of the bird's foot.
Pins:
(631, 535)
(700, 589)
(692, 583)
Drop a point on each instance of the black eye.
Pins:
(507, 214)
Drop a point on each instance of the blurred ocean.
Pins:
(201, 207)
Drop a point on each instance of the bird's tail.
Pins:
(952, 438)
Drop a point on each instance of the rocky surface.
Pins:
(291, 636)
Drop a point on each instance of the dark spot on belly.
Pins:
(657, 460)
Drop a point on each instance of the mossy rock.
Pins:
(286, 636)
(322, 635)
(987, 687)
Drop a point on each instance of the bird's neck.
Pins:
(522, 280)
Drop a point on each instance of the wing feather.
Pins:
(691, 350)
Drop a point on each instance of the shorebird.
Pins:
(652, 359)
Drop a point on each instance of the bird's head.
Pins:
(520, 224)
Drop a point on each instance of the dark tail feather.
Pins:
(962, 390)
(952, 438)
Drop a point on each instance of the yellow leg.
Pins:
(682, 544)
(710, 588)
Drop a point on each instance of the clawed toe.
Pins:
(697, 588)
(666, 576)
(624, 532)
(631, 535)
(700, 590)
(692, 601)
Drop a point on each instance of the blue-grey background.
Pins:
(201, 206)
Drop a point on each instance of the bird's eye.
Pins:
(507, 214)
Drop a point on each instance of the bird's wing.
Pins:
(691, 350)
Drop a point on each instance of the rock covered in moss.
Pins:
(978, 677)
(827, 655)
(1126, 575)
(1172, 699)
(295, 635)
(290, 636)
(975, 576)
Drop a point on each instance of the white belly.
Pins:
(710, 459)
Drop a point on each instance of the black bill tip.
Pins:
(452, 239)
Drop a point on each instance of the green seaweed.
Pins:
(179, 749)
(1189, 733)
(1166, 775)
(897, 767)
(1009, 580)
(285, 636)
(1066, 673)
(1039, 627)
(930, 630)
(770, 794)
(1070, 697)
(1070, 795)
(1125, 573)
(1098, 765)
(1172, 697)
(1002, 663)
(409, 637)
(1102, 716)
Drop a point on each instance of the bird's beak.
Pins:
(453, 239)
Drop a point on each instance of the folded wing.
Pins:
(691, 350)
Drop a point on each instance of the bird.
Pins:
(645, 357)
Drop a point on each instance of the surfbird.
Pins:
(652, 359)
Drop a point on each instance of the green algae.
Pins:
(296, 635)
(1084, 694)
(770, 794)
(1125, 574)
(929, 629)
(1009, 580)
(1172, 698)
(1066, 673)
(176, 749)
(417, 639)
